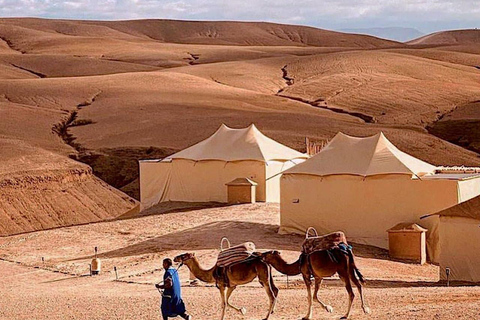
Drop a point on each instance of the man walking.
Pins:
(172, 303)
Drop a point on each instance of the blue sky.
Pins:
(427, 15)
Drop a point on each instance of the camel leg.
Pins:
(318, 283)
(359, 286)
(265, 280)
(346, 279)
(242, 310)
(224, 301)
(308, 284)
(274, 288)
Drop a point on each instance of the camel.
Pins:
(237, 274)
(321, 264)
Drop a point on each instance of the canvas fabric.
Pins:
(346, 155)
(460, 244)
(190, 181)
(229, 144)
(363, 208)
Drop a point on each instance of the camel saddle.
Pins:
(233, 255)
(326, 242)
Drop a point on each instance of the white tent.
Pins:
(200, 172)
(459, 241)
(364, 186)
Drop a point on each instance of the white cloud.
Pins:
(427, 15)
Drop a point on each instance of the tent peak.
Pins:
(230, 144)
(361, 156)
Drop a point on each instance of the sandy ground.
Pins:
(59, 288)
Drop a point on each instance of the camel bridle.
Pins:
(189, 257)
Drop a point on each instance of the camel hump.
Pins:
(236, 254)
(323, 242)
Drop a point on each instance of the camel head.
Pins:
(269, 256)
(184, 257)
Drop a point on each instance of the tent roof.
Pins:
(363, 157)
(241, 182)
(467, 209)
(229, 144)
(407, 227)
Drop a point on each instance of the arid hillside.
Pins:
(196, 32)
(108, 93)
(454, 40)
(449, 38)
(42, 190)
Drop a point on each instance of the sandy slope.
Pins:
(40, 190)
(393, 88)
(395, 290)
(454, 40)
(451, 37)
(202, 32)
(164, 85)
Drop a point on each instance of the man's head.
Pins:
(167, 263)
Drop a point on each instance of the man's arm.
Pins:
(167, 284)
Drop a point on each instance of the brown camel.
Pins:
(321, 264)
(236, 275)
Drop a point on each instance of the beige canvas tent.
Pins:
(200, 172)
(364, 186)
(459, 241)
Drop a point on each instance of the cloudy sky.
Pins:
(425, 15)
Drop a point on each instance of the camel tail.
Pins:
(352, 263)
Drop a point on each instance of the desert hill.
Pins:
(456, 40)
(197, 32)
(452, 37)
(460, 126)
(108, 93)
(42, 190)
(391, 33)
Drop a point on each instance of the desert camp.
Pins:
(239, 160)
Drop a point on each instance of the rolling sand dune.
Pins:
(467, 41)
(440, 54)
(110, 92)
(46, 66)
(452, 37)
(392, 88)
(204, 32)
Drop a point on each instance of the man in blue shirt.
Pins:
(172, 303)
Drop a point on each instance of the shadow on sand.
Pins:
(400, 284)
(208, 236)
(171, 207)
